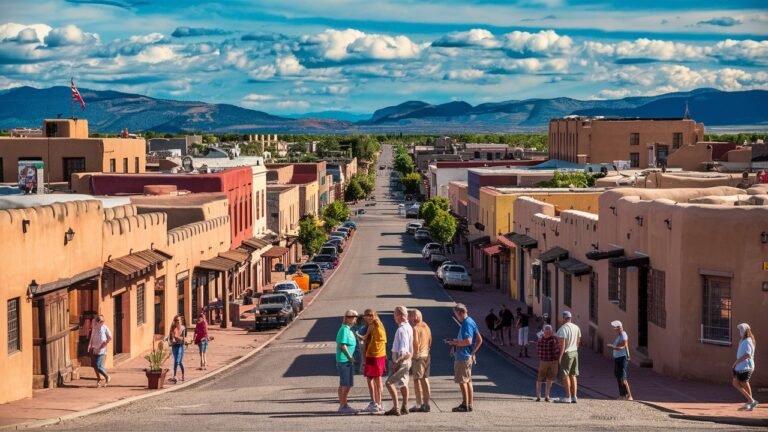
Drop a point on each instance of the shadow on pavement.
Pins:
(307, 365)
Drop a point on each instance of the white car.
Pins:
(455, 275)
(441, 269)
(412, 227)
(422, 235)
(429, 248)
(291, 288)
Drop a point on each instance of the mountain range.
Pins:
(112, 111)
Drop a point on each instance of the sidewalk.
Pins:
(688, 399)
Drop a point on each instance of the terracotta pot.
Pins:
(156, 379)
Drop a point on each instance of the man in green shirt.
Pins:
(345, 362)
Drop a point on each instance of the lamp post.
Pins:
(32, 289)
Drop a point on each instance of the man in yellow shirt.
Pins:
(422, 344)
(375, 342)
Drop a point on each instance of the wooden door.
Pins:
(52, 361)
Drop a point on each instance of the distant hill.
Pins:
(111, 111)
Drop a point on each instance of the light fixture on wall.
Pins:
(32, 289)
(613, 209)
(639, 220)
(669, 223)
(765, 286)
(69, 236)
(595, 246)
(24, 225)
(764, 236)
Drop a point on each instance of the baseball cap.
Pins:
(616, 324)
(351, 313)
(566, 314)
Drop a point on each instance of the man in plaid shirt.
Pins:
(548, 349)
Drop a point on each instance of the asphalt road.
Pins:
(291, 384)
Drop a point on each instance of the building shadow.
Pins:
(311, 365)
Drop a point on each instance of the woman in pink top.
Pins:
(201, 339)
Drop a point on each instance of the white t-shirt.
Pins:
(571, 333)
(403, 342)
(746, 346)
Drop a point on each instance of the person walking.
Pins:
(490, 322)
(345, 360)
(177, 338)
(570, 338)
(507, 319)
(465, 348)
(201, 339)
(101, 336)
(548, 349)
(521, 322)
(375, 342)
(744, 366)
(422, 360)
(620, 347)
(402, 354)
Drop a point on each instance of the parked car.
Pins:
(345, 230)
(274, 310)
(326, 260)
(436, 258)
(342, 234)
(441, 269)
(350, 224)
(457, 276)
(413, 211)
(412, 227)
(422, 235)
(291, 269)
(329, 250)
(297, 295)
(335, 242)
(311, 266)
(428, 248)
(315, 278)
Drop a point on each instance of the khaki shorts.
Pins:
(462, 371)
(547, 371)
(420, 367)
(399, 377)
(569, 365)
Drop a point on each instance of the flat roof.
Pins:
(29, 201)
(537, 190)
(187, 200)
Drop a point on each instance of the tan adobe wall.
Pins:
(690, 157)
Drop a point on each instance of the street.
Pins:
(291, 384)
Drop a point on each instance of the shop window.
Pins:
(141, 317)
(14, 333)
(716, 310)
(617, 286)
(634, 138)
(657, 312)
(634, 160)
(593, 297)
(567, 285)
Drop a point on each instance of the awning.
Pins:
(598, 255)
(238, 256)
(137, 262)
(479, 240)
(218, 264)
(574, 267)
(522, 240)
(61, 283)
(275, 252)
(493, 249)
(256, 243)
(555, 254)
(507, 243)
(630, 261)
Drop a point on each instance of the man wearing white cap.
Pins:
(570, 338)
(620, 347)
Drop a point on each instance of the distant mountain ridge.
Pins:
(112, 111)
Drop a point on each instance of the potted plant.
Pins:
(155, 372)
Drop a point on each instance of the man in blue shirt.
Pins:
(465, 348)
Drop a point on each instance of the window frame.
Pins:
(141, 304)
(634, 160)
(593, 297)
(657, 311)
(634, 138)
(617, 286)
(13, 344)
(707, 281)
(567, 289)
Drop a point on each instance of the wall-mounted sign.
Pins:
(31, 179)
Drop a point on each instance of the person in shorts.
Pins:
(620, 348)
(422, 359)
(548, 349)
(402, 353)
(375, 343)
(570, 337)
(345, 360)
(744, 366)
(465, 348)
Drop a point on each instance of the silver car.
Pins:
(456, 275)
(422, 235)
(412, 227)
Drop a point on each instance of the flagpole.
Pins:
(71, 98)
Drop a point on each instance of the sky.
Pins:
(287, 57)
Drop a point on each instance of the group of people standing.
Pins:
(410, 356)
(504, 323)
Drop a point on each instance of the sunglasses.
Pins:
(351, 316)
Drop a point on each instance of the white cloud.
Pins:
(526, 66)
(743, 51)
(289, 66)
(545, 43)
(292, 104)
(253, 97)
(70, 35)
(473, 38)
(647, 49)
(148, 39)
(156, 54)
(672, 77)
(339, 45)
(12, 31)
(465, 75)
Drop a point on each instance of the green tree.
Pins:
(411, 182)
(443, 227)
(569, 180)
(354, 191)
(366, 182)
(428, 211)
(403, 164)
(311, 236)
(441, 203)
(335, 213)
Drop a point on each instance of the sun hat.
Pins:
(616, 324)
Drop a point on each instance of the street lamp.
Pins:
(32, 289)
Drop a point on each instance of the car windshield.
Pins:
(283, 287)
(322, 258)
(456, 269)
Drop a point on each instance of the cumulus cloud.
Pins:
(156, 54)
(724, 21)
(289, 65)
(350, 44)
(526, 66)
(473, 38)
(70, 35)
(672, 77)
(741, 52)
(644, 50)
(546, 43)
(198, 31)
(464, 75)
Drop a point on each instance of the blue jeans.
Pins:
(178, 356)
(98, 366)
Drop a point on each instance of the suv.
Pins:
(335, 242)
(274, 310)
(349, 224)
(297, 295)
(428, 248)
(329, 261)
(456, 275)
(310, 266)
(342, 234)
(315, 277)
(413, 211)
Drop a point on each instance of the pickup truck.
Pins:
(274, 310)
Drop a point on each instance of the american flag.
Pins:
(76, 95)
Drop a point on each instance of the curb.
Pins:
(122, 402)
(734, 421)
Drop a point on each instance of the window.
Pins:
(593, 297)
(258, 204)
(677, 139)
(547, 276)
(716, 310)
(125, 165)
(1, 170)
(14, 333)
(112, 165)
(73, 165)
(567, 283)
(141, 317)
(634, 138)
(617, 286)
(137, 165)
(657, 311)
(536, 268)
(634, 160)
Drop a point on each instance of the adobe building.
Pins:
(643, 142)
(303, 174)
(283, 204)
(65, 148)
(668, 263)
(442, 173)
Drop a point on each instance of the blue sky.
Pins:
(360, 55)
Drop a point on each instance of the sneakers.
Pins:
(462, 408)
(371, 408)
(416, 408)
(538, 399)
(749, 406)
(563, 400)
(346, 410)
(425, 408)
(753, 405)
(574, 400)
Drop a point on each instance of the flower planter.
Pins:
(156, 379)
